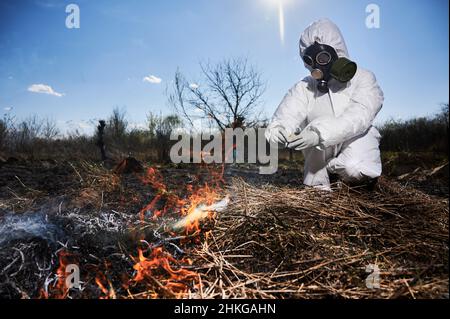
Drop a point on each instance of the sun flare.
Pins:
(281, 20)
(280, 8)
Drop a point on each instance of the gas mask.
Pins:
(325, 64)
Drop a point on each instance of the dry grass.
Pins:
(303, 243)
(271, 242)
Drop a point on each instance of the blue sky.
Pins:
(103, 64)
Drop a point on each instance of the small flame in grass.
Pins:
(195, 207)
(60, 289)
(154, 178)
(109, 293)
(161, 265)
(158, 266)
(197, 213)
(193, 210)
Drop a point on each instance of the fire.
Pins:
(193, 211)
(109, 293)
(194, 208)
(154, 178)
(59, 290)
(197, 213)
(157, 265)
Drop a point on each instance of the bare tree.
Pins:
(443, 114)
(160, 128)
(116, 126)
(6, 130)
(229, 95)
(49, 129)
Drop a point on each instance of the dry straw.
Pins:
(285, 242)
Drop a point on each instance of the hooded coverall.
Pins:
(342, 118)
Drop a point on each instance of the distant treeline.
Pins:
(37, 138)
(423, 134)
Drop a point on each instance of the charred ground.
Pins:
(275, 240)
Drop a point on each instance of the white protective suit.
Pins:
(349, 144)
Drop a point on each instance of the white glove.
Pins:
(304, 140)
(278, 136)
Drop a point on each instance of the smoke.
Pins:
(28, 226)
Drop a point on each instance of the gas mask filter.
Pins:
(325, 64)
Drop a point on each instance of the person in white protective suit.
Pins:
(329, 114)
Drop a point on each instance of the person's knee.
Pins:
(357, 171)
(351, 172)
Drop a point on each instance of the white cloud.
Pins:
(194, 86)
(8, 108)
(152, 79)
(43, 89)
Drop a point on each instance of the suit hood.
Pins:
(323, 31)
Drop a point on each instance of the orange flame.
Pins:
(60, 289)
(159, 265)
(109, 293)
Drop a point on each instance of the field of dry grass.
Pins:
(276, 239)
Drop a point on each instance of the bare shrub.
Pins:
(228, 95)
(49, 129)
(417, 135)
(160, 128)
